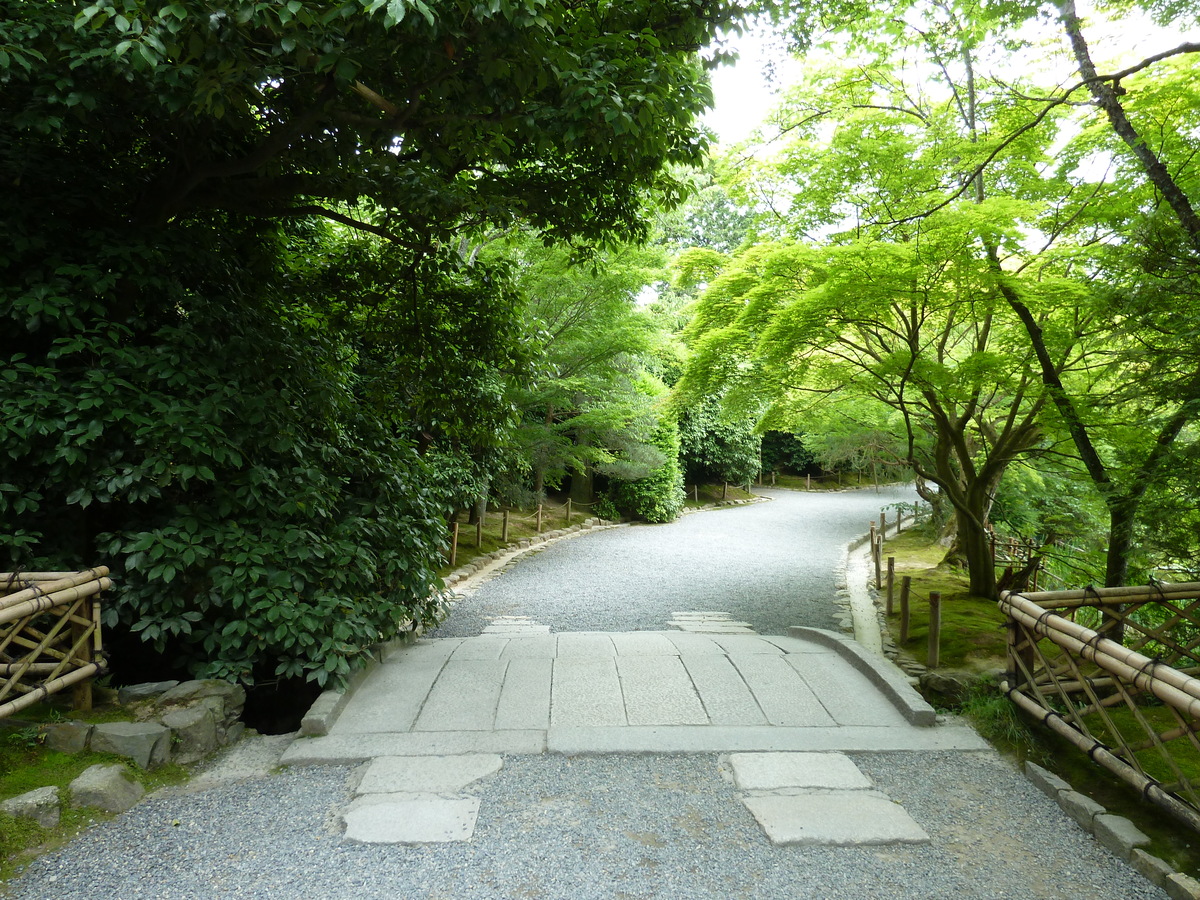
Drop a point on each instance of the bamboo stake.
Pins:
(934, 653)
(1127, 594)
(905, 587)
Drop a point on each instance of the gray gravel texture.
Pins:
(594, 827)
(770, 564)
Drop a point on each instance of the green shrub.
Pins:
(659, 497)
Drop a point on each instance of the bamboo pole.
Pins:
(905, 588)
(73, 579)
(50, 687)
(1129, 594)
(1169, 685)
(49, 601)
(934, 653)
(1147, 787)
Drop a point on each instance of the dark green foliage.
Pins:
(783, 452)
(715, 450)
(659, 496)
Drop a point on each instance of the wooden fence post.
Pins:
(504, 528)
(479, 532)
(772, 479)
(568, 510)
(891, 582)
(539, 519)
(725, 490)
(935, 629)
(905, 587)
(454, 544)
(808, 482)
(84, 616)
(696, 492)
(878, 554)
(882, 523)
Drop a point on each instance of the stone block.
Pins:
(41, 806)
(146, 743)
(427, 774)
(1150, 867)
(232, 696)
(106, 787)
(1080, 808)
(1120, 836)
(68, 737)
(1045, 780)
(1182, 887)
(771, 771)
(407, 819)
(834, 818)
(132, 693)
(194, 731)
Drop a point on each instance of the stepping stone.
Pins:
(385, 819)
(834, 819)
(427, 774)
(773, 771)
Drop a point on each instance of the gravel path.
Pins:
(560, 828)
(770, 564)
(610, 827)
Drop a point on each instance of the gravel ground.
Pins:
(770, 564)
(593, 827)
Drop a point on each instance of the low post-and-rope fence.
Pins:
(49, 635)
(1131, 703)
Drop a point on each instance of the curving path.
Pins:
(772, 565)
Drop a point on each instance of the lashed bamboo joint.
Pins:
(49, 635)
(1112, 671)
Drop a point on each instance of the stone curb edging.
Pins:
(880, 672)
(1116, 833)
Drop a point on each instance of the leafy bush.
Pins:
(658, 497)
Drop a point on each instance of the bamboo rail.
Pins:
(49, 635)
(1128, 711)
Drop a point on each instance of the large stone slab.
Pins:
(586, 691)
(525, 696)
(427, 774)
(105, 787)
(770, 771)
(464, 696)
(146, 743)
(383, 819)
(834, 818)
(40, 805)
(658, 691)
(726, 697)
(782, 695)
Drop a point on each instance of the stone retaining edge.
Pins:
(881, 672)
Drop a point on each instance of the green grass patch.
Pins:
(522, 523)
(706, 494)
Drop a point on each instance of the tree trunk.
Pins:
(582, 485)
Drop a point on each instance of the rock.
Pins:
(1120, 836)
(41, 806)
(1049, 783)
(133, 692)
(946, 689)
(106, 787)
(68, 737)
(1153, 869)
(189, 693)
(1182, 887)
(195, 733)
(1080, 808)
(146, 743)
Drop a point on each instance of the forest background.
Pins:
(287, 285)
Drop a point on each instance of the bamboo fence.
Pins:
(1112, 670)
(49, 636)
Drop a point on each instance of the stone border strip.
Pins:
(1116, 833)
(882, 673)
